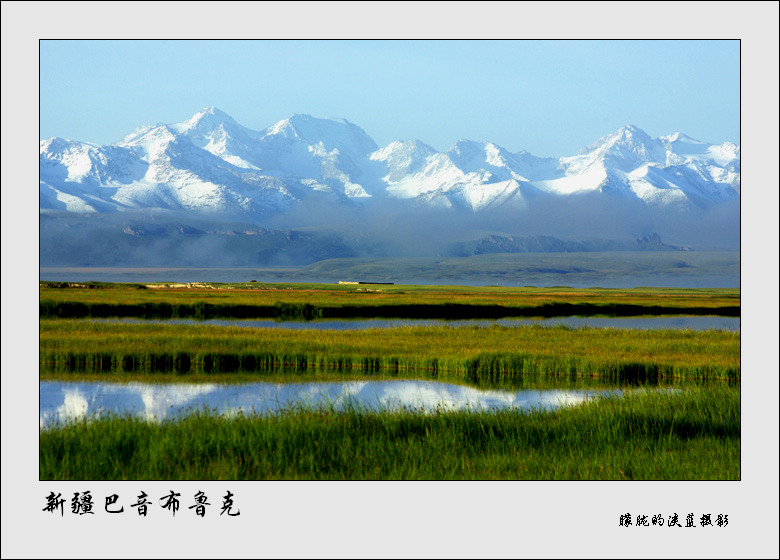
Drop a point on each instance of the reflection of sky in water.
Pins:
(697, 323)
(62, 402)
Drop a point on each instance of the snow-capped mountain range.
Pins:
(211, 165)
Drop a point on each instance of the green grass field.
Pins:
(470, 354)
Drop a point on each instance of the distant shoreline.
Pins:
(618, 269)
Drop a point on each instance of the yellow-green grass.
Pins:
(325, 295)
(469, 354)
(687, 435)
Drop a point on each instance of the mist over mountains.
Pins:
(211, 192)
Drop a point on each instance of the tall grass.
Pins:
(268, 300)
(687, 435)
(466, 354)
(307, 311)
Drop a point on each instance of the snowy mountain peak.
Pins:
(296, 121)
(135, 134)
(464, 145)
(210, 163)
(629, 136)
(56, 144)
(281, 128)
(205, 121)
(403, 158)
(400, 148)
(632, 129)
(729, 151)
(679, 137)
(212, 112)
(465, 153)
(145, 135)
(303, 118)
(625, 149)
(341, 134)
(216, 112)
(682, 148)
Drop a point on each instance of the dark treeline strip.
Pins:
(93, 285)
(493, 369)
(77, 310)
(305, 311)
(646, 435)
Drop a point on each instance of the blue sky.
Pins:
(550, 98)
(547, 97)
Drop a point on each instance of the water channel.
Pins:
(64, 402)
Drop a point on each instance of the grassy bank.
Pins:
(688, 435)
(460, 354)
(309, 301)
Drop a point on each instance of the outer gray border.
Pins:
(398, 519)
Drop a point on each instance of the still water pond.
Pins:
(62, 402)
(697, 323)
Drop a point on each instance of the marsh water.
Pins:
(697, 323)
(63, 402)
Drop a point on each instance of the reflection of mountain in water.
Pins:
(63, 402)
